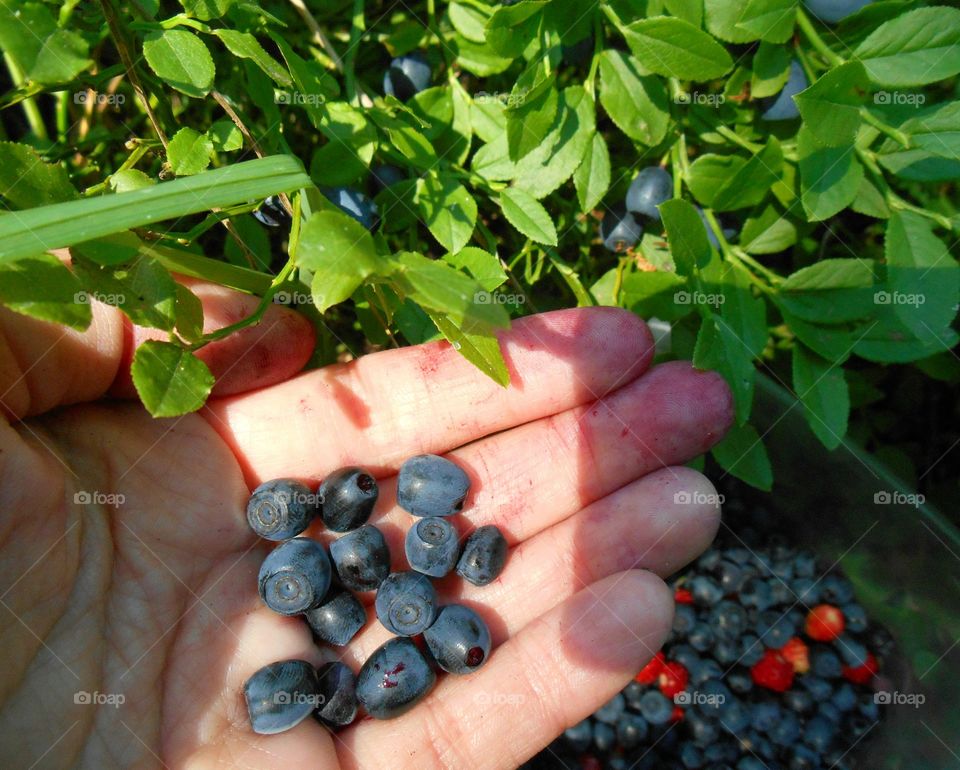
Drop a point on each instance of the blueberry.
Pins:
(386, 175)
(347, 497)
(690, 756)
(730, 576)
(407, 75)
(798, 700)
(701, 637)
(818, 734)
(739, 555)
(825, 663)
(361, 558)
(781, 592)
(604, 737)
(338, 619)
(703, 730)
(338, 688)
(406, 603)
(651, 187)
(820, 689)
(295, 576)
(656, 708)
(280, 509)
(432, 546)
(429, 485)
(631, 729)
(394, 678)
(786, 730)
(717, 691)
(726, 651)
(271, 212)
(756, 593)
(619, 230)
(807, 591)
(705, 590)
(740, 680)
(281, 695)
(459, 639)
(710, 560)
(728, 620)
(832, 11)
(852, 652)
(855, 618)
(845, 699)
(782, 106)
(705, 671)
(579, 735)
(775, 630)
(632, 693)
(751, 650)
(804, 565)
(869, 708)
(684, 619)
(610, 711)
(750, 763)
(484, 555)
(685, 655)
(804, 758)
(353, 203)
(836, 589)
(734, 716)
(765, 715)
(829, 712)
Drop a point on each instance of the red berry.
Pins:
(862, 674)
(677, 714)
(673, 679)
(772, 671)
(824, 623)
(797, 654)
(590, 762)
(683, 596)
(649, 673)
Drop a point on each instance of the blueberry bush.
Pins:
(401, 172)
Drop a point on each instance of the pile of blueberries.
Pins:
(302, 577)
(771, 663)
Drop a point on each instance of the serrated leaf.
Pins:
(822, 389)
(170, 380)
(130, 179)
(718, 347)
(742, 454)
(63, 56)
(511, 27)
(675, 48)
(189, 152)
(181, 60)
(771, 68)
(480, 349)
(654, 293)
(189, 313)
(722, 21)
(531, 111)
(829, 176)
(205, 10)
(144, 290)
(729, 182)
(42, 287)
(225, 136)
(524, 212)
(936, 132)
(482, 265)
(686, 235)
(592, 177)
(347, 154)
(767, 232)
(744, 313)
(479, 58)
(449, 211)
(470, 20)
(831, 106)
(636, 103)
(115, 249)
(769, 20)
(27, 181)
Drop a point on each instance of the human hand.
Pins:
(152, 600)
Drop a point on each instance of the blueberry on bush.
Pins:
(407, 75)
(280, 509)
(782, 106)
(338, 694)
(432, 546)
(428, 485)
(484, 555)
(281, 695)
(386, 175)
(271, 212)
(619, 230)
(651, 187)
(361, 558)
(295, 576)
(832, 11)
(353, 203)
(394, 678)
(406, 603)
(458, 639)
(338, 619)
(346, 498)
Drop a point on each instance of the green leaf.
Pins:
(636, 103)
(144, 290)
(340, 252)
(870, 201)
(742, 454)
(27, 181)
(225, 136)
(654, 293)
(470, 20)
(64, 224)
(729, 182)
(414, 146)
(832, 274)
(115, 249)
(675, 48)
(347, 154)
(170, 380)
(918, 47)
(189, 152)
(829, 176)
(480, 349)
(572, 279)
(487, 116)
(831, 106)
(414, 323)
(130, 179)
(744, 313)
(686, 10)
(313, 86)
(478, 58)
(189, 313)
(482, 265)
(771, 68)
(23, 28)
(718, 347)
(531, 112)
(686, 235)
(42, 287)
(205, 10)
(936, 132)
(448, 210)
(524, 212)
(770, 20)
(181, 60)
(767, 232)
(722, 21)
(61, 58)
(822, 389)
(511, 26)
(592, 177)
(885, 339)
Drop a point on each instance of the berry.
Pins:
(295, 576)
(756, 593)
(673, 679)
(408, 75)
(353, 203)
(804, 758)
(734, 716)
(861, 674)
(782, 106)
(650, 672)
(690, 756)
(683, 596)
(797, 653)
(280, 509)
(775, 629)
(619, 230)
(820, 689)
(852, 652)
(800, 701)
(386, 175)
(338, 619)
(631, 729)
(751, 650)
(728, 619)
(604, 737)
(459, 640)
(837, 589)
(701, 637)
(787, 730)
(740, 680)
(271, 212)
(726, 651)
(281, 695)
(361, 558)
(705, 670)
(705, 590)
(406, 603)
(429, 485)
(632, 694)
(656, 708)
(432, 546)
(824, 623)
(804, 565)
(845, 699)
(338, 690)
(855, 618)
(773, 671)
(347, 497)
(684, 619)
(766, 714)
(832, 11)
(704, 731)
(394, 678)
(825, 663)
(484, 555)
(610, 711)
(818, 733)
(579, 735)
(806, 590)
(651, 187)
(730, 576)
(750, 763)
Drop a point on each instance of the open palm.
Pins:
(143, 603)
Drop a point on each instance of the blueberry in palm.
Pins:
(458, 639)
(338, 694)
(281, 695)
(651, 187)
(406, 76)
(394, 679)
(406, 603)
(361, 558)
(484, 555)
(428, 485)
(432, 546)
(346, 498)
(337, 620)
(280, 509)
(295, 576)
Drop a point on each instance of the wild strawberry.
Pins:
(797, 654)
(677, 714)
(772, 671)
(590, 762)
(683, 596)
(863, 673)
(824, 623)
(673, 679)
(649, 673)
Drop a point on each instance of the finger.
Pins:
(645, 525)
(382, 408)
(44, 365)
(551, 675)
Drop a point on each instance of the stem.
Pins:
(435, 29)
(898, 136)
(810, 32)
(893, 200)
(735, 258)
(30, 108)
(357, 28)
(213, 270)
(590, 82)
(377, 292)
(133, 158)
(319, 36)
(225, 106)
